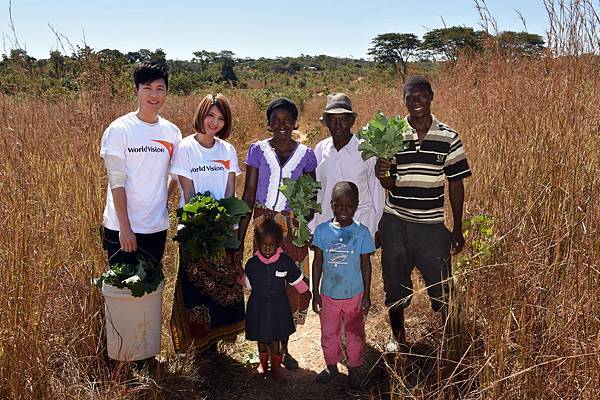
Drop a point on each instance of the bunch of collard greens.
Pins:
(383, 137)
(301, 195)
(208, 226)
(145, 277)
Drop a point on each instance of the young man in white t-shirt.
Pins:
(137, 149)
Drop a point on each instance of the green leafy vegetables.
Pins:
(301, 195)
(145, 277)
(208, 226)
(383, 137)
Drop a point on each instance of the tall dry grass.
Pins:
(528, 325)
(529, 312)
(52, 193)
(526, 321)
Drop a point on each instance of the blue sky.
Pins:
(248, 28)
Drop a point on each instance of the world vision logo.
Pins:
(225, 163)
(153, 149)
(208, 168)
(146, 149)
(168, 145)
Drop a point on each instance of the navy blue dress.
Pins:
(268, 314)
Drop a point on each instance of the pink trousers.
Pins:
(333, 312)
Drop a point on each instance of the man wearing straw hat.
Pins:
(338, 159)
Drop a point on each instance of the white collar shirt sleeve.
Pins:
(347, 165)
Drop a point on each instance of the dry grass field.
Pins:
(526, 321)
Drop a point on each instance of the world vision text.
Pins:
(146, 149)
(204, 168)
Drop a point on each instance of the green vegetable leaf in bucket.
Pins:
(143, 278)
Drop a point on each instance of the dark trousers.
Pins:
(150, 245)
(406, 245)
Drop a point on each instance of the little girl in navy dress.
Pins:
(269, 319)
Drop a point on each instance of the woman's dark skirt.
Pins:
(209, 303)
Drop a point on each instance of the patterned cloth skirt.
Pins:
(209, 303)
(287, 222)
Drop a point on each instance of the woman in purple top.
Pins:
(268, 162)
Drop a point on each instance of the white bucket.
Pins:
(132, 323)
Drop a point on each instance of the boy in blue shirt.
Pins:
(341, 275)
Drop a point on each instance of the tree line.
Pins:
(398, 49)
(86, 68)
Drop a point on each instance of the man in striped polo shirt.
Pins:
(412, 228)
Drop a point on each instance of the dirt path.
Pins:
(234, 378)
(230, 375)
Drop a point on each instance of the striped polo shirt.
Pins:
(421, 171)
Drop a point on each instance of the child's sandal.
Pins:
(328, 374)
(289, 362)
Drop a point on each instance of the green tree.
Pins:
(145, 55)
(395, 49)
(183, 83)
(449, 42)
(56, 64)
(133, 57)
(204, 57)
(521, 42)
(227, 72)
(19, 59)
(113, 60)
(158, 56)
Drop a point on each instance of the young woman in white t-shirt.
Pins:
(209, 304)
(205, 161)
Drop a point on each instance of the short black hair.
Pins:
(148, 72)
(285, 103)
(268, 227)
(345, 188)
(418, 81)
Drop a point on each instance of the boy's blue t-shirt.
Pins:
(342, 248)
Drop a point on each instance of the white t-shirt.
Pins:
(147, 150)
(207, 168)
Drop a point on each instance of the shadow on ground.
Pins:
(226, 378)
(437, 364)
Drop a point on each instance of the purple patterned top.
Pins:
(261, 156)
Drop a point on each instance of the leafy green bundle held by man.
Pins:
(383, 137)
(141, 279)
(412, 228)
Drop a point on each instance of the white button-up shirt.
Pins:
(347, 165)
